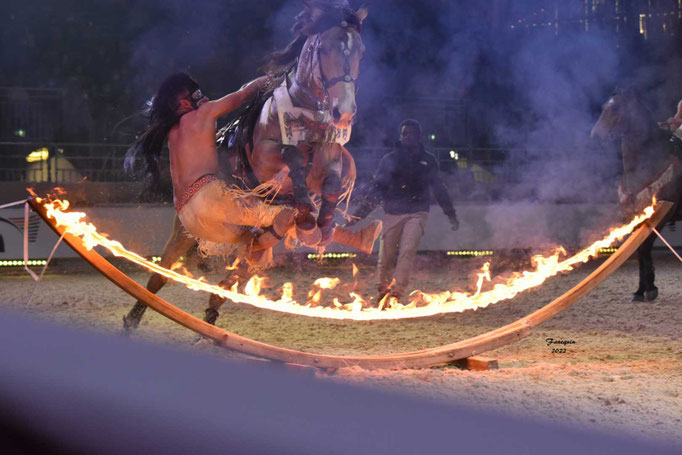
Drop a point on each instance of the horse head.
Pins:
(329, 62)
(622, 114)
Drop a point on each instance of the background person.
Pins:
(404, 181)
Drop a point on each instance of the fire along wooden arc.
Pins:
(424, 358)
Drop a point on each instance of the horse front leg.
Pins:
(306, 228)
(331, 191)
(177, 245)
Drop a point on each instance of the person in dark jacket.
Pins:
(404, 182)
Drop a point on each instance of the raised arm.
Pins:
(229, 103)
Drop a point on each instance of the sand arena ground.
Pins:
(622, 375)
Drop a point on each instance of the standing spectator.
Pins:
(404, 182)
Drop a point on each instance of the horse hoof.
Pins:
(309, 238)
(651, 295)
(637, 298)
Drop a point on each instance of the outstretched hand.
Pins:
(270, 82)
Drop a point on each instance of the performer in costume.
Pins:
(206, 206)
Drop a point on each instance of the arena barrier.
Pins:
(423, 358)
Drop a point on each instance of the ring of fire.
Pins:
(428, 357)
(422, 304)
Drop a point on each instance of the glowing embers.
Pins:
(488, 290)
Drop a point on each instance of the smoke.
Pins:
(221, 43)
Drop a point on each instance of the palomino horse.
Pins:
(295, 135)
(650, 166)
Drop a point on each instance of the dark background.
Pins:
(526, 74)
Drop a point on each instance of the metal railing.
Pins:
(61, 163)
(471, 174)
(70, 162)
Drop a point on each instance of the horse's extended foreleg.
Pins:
(178, 244)
(295, 161)
(305, 221)
(331, 190)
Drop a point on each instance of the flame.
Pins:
(420, 303)
(326, 283)
(234, 265)
(254, 286)
(483, 275)
(287, 292)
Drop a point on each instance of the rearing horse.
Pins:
(650, 166)
(303, 127)
(295, 135)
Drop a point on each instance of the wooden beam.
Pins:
(416, 359)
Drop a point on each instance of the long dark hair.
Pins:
(162, 115)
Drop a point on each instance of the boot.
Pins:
(211, 315)
(362, 240)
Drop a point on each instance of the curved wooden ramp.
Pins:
(427, 357)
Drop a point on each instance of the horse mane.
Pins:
(316, 17)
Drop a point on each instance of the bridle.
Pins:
(327, 83)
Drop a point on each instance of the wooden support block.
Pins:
(477, 363)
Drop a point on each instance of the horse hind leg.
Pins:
(178, 244)
(215, 301)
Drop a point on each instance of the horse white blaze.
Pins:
(342, 94)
